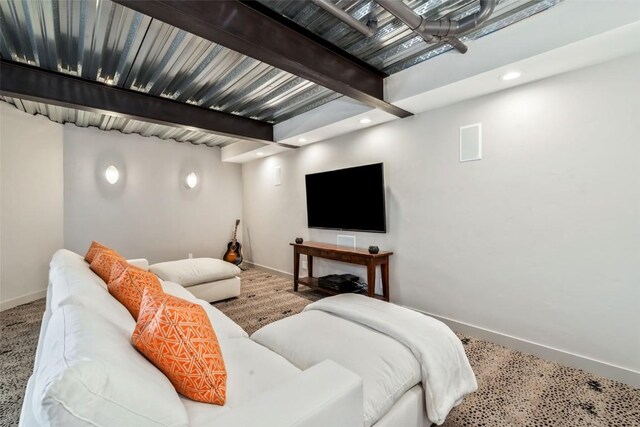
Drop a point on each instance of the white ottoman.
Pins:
(209, 279)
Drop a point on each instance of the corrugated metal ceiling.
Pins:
(395, 47)
(103, 41)
(107, 122)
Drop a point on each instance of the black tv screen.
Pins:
(347, 199)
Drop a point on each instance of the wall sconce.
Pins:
(192, 180)
(112, 175)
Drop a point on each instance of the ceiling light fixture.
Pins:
(192, 180)
(112, 175)
(259, 153)
(365, 120)
(302, 140)
(511, 75)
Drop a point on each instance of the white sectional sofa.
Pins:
(345, 361)
(87, 373)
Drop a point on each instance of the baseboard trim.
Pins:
(616, 373)
(270, 270)
(573, 360)
(24, 299)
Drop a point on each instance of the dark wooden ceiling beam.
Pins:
(247, 28)
(35, 84)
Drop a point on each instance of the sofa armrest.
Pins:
(140, 263)
(324, 395)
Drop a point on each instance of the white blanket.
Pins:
(446, 374)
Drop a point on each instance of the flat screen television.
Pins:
(347, 199)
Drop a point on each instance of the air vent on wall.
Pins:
(471, 142)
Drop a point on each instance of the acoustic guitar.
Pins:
(234, 248)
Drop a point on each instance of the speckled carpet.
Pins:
(19, 331)
(515, 389)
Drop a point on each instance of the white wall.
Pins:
(54, 194)
(31, 207)
(540, 240)
(149, 212)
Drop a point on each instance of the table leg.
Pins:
(384, 271)
(371, 279)
(310, 265)
(296, 269)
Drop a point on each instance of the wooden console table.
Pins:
(342, 254)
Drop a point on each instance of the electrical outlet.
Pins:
(304, 265)
(190, 255)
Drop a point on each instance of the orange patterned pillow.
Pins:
(117, 269)
(129, 287)
(93, 251)
(177, 337)
(103, 263)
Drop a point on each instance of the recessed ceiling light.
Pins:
(365, 120)
(302, 140)
(259, 153)
(511, 75)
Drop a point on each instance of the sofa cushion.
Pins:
(252, 370)
(93, 251)
(129, 287)
(64, 260)
(387, 367)
(71, 282)
(225, 327)
(177, 337)
(104, 261)
(189, 272)
(90, 374)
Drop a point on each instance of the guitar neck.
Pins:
(235, 232)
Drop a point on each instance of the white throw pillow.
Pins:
(90, 374)
(71, 282)
(189, 272)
